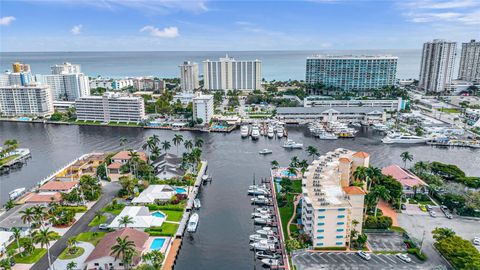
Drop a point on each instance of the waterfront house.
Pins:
(5, 239)
(42, 197)
(141, 217)
(83, 166)
(59, 186)
(124, 156)
(120, 159)
(409, 180)
(101, 257)
(155, 193)
(13, 218)
(168, 166)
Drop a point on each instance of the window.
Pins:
(320, 224)
(339, 243)
(339, 236)
(321, 217)
(341, 216)
(320, 237)
(96, 264)
(339, 230)
(320, 230)
(319, 244)
(321, 210)
(341, 209)
(340, 223)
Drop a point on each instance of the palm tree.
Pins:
(123, 142)
(188, 144)
(406, 156)
(43, 237)
(294, 161)
(177, 140)
(39, 214)
(71, 265)
(124, 250)
(17, 233)
(155, 257)
(134, 159)
(27, 246)
(274, 164)
(374, 175)
(421, 167)
(312, 151)
(9, 204)
(27, 218)
(98, 215)
(377, 193)
(166, 146)
(198, 143)
(125, 220)
(360, 174)
(155, 153)
(72, 244)
(292, 171)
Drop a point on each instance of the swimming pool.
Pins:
(158, 214)
(180, 190)
(218, 127)
(287, 173)
(157, 243)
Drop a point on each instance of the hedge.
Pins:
(381, 222)
(174, 207)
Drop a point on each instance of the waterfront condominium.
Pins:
(230, 74)
(67, 82)
(330, 203)
(110, 107)
(21, 75)
(31, 100)
(189, 76)
(436, 66)
(469, 69)
(203, 107)
(352, 73)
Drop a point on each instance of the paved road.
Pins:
(109, 192)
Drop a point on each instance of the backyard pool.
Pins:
(157, 243)
(158, 214)
(180, 190)
(286, 173)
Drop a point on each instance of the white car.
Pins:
(432, 214)
(476, 241)
(404, 257)
(103, 226)
(364, 255)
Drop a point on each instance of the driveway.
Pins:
(62, 264)
(110, 190)
(386, 242)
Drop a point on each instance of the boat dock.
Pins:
(23, 155)
(456, 143)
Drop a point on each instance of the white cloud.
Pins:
(76, 29)
(460, 12)
(167, 32)
(6, 20)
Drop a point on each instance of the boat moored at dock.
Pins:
(192, 223)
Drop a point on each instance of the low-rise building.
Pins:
(42, 197)
(184, 98)
(141, 218)
(330, 203)
(102, 258)
(31, 100)
(155, 193)
(390, 105)
(114, 171)
(341, 114)
(13, 219)
(58, 186)
(411, 183)
(203, 108)
(111, 107)
(168, 166)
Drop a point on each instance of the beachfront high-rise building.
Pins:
(469, 69)
(189, 76)
(31, 100)
(436, 66)
(230, 74)
(203, 107)
(351, 73)
(330, 203)
(21, 75)
(67, 82)
(111, 107)
(20, 67)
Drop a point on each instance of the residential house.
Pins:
(120, 159)
(168, 166)
(409, 180)
(59, 186)
(155, 193)
(141, 218)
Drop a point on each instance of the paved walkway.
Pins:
(295, 204)
(388, 211)
(62, 264)
(22, 266)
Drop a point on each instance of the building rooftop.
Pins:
(141, 216)
(58, 185)
(405, 177)
(353, 190)
(318, 110)
(125, 155)
(115, 165)
(43, 197)
(13, 217)
(154, 192)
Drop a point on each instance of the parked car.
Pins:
(443, 208)
(103, 226)
(476, 241)
(423, 208)
(429, 207)
(403, 206)
(432, 214)
(448, 215)
(404, 257)
(364, 255)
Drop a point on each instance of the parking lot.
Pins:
(386, 242)
(342, 261)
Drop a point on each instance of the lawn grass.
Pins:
(36, 255)
(286, 212)
(115, 211)
(97, 221)
(449, 110)
(7, 159)
(167, 229)
(13, 246)
(66, 255)
(90, 237)
(173, 215)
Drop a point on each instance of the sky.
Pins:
(203, 25)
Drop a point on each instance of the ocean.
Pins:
(277, 65)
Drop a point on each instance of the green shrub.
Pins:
(416, 251)
(381, 222)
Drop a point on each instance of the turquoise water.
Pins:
(287, 174)
(157, 243)
(218, 127)
(158, 214)
(180, 190)
(24, 119)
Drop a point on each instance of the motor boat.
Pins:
(267, 255)
(271, 262)
(404, 139)
(263, 211)
(244, 131)
(259, 237)
(356, 124)
(280, 132)
(260, 201)
(379, 127)
(260, 215)
(197, 204)
(257, 187)
(255, 133)
(16, 193)
(327, 136)
(258, 191)
(192, 223)
(270, 132)
(265, 151)
(262, 246)
(292, 145)
(265, 231)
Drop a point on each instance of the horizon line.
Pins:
(278, 50)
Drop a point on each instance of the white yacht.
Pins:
(16, 193)
(261, 221)
(327, 136)
(265, 231)
(270, 132)
(192, 223)
(259, 237)
(262, 245)
(403, 139)
(265, 151)
(255, 133)
(197, 204)
(292, 145)
(244, 131)
(280, 132)
(271, 262)
(379, 127)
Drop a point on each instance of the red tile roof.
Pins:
(354, 190)
(405, 177)
(43, 197)
(115, 165)
(361, 154)
(125, 155)
(344, 159)
(104, 247)
(58, 185)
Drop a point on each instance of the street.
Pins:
(110, 190)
